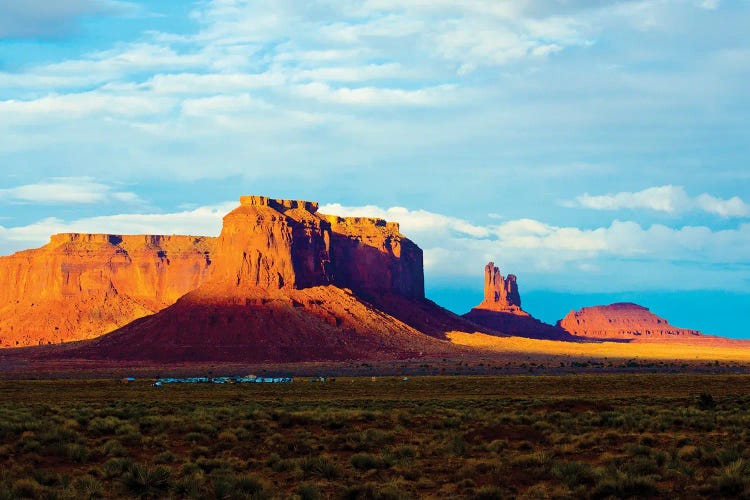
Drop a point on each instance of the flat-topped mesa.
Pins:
(622, 320)
(500, 293)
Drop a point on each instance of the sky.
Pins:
(599, 150)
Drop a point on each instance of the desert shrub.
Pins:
(706, 401)
(165, 457)
(212, 464)
(647, 440)
(77, 453)
(457, 445)
(129, 434)
(156, 424)
(101, 426)
(319, 466)
(530, 460)
(309, 492)
(116, 467)
(727, 456)
(141, 480)
(625, 486)
(88, 487)
(45, 477)
(26, 488)
(57, 434)
(374, 491)
(375, 438)
(404, 453)
(28, 443)
(490, 492)
(641, 466)
(227, 437)
(573, 474)
(733, 479)
(248, 484)
(688, 452)
(199, 451)
(366, 461)
(190, 486)
(114, 448)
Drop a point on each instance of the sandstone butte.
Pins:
(500, 310)
(282, 282)
(622, 320)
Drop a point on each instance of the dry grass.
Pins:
(575, 436)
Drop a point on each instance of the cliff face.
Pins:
(83, 285)
(371, 255)
(80, 286)
(621, 321)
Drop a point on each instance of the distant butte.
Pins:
(500, 310)
(623, 320)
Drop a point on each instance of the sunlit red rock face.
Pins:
(500, 310)
(83, 285)
(622, 321)
(289, 284)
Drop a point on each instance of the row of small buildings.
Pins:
(250, 379)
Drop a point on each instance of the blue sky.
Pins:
(598, 150)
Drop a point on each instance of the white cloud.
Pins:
(77, 105)
(733, 207)
(375, 96)
(67, 190)
(709, 4)
(411, 221)
(669, 199)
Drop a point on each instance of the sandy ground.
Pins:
(708, 348)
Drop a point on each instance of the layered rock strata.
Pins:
(83, 285)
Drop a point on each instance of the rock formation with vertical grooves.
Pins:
(500, 310)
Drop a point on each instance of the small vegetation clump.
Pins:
(605, 436)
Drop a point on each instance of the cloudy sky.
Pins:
(600, 150)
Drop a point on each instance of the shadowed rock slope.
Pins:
(288, 284)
